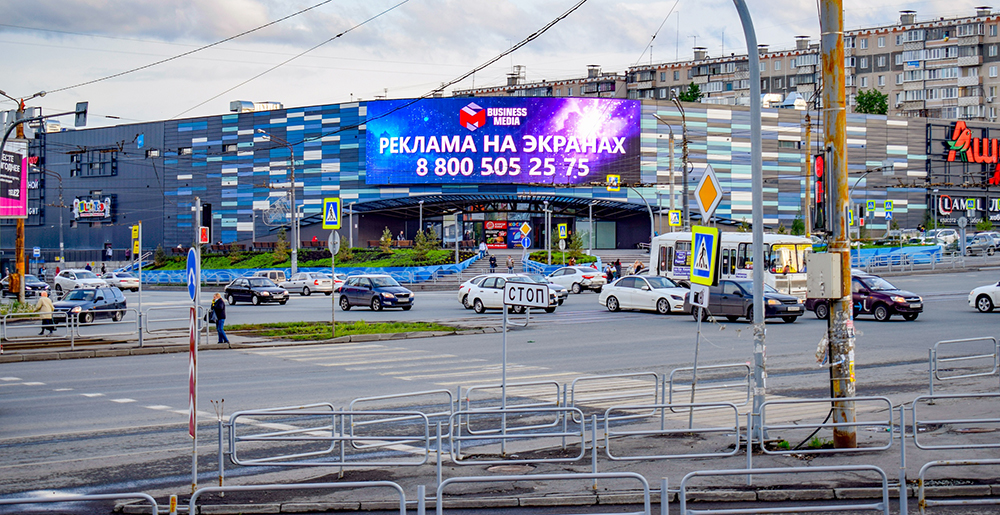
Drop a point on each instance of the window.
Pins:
(993, 71)
(677, 75)
(913, 75)
(914, 35)
(949, 92)
(849, 42)
(153, 152)
(992, 50)
(848, 62)
(663, 76)
(569, 91)
(881, 41)
(881, 61)
(230, 147)
(899, 98)
(863, 63)
(791, 63)
(763, 67)
(899, 39)
(777, 66)
(972, 72)
(777, 83)
(850, 80)
(864, 43)
(881, 80)
(993, 91)
(864, 82)
(993, 30)
(899, 59)
(763, 84)
(993, 112)
(899, 78)
(184, 151)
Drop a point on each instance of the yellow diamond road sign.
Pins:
(708, 193)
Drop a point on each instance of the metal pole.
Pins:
(458, 216)
(292, 209)
(756, 166)
(420, 224)
(503, 387)
(808, 208)
(590, 214)
(350, 230)
(548, 235)
(333, 286)
(651, 219)
(686, 214)
(197, 304)
(139, 257)
(840, 324)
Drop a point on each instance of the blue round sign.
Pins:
(526, 242)
(192, 273)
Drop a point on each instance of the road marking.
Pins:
(92, 394)
(62, 390)
(10, 378)
(122, 401)
(159, 407)
(33, 383)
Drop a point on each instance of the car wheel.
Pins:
(822, 311)
(789, 320)
(909, 317)
(550, 309)
(465, 302)
(598, 289)
(663, 307)
(345, 304)
(575, 288)
(881, 313)
(329, 293)
(376, 304)
(984, 304)
(750, 315)
(231, 299)
(968, 252)
(86, 318)
(59, 289)
(406, 308)
(697, 311)
(990, 251)
(478, 307)
(612, 303)
(305, 291)
(255, 300)
(118, 316)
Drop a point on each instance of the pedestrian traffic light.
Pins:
(819, 222)
(206, 224)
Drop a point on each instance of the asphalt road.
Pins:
(120, 423)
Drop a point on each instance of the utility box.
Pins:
(823, 280)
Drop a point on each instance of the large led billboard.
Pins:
(505, 140)
(14, 180)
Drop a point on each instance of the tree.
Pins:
(159, 256)
(693, 94)
(798, 226)
(385, 242)
(280, 248)
(984, 225)
(872, 101)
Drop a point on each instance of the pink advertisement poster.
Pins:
(14, 180)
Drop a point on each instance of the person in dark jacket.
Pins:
(219, 309)
(493, 264)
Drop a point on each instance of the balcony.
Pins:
(973, 60)
(970, 101)
(968, 81)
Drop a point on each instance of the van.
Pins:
(276, 276)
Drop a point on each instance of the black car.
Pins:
(873, 295)
(255, 290)
(734, 299)
(32, 285)
(375, 291)
(91, 303)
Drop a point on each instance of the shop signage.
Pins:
(502, 140)
(92, 208)
(963, 147)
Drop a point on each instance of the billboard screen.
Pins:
(14, 180)
(502, 140)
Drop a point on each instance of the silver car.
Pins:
(307, 282)
(123, 280)
(579, 278)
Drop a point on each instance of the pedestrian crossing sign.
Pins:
(705, 245)
(870, 205)
(674, 218)
(888, 206)
(331, 213)
(614, 182)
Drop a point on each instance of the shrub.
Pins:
(984, 225)
(280, 254)
(385, 242)
(159, 256)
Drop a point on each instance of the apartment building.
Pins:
(597, 84)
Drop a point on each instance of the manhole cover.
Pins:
(511, 469)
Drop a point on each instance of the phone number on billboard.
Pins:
(500, 166)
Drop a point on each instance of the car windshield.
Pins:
(261, 282)
(879, 284)
(317, 275)
(85, 295)
(31, 279)
(748, 287)
(660, 282)
(83, 274)
(124, 275)
(383, 281)
(786, 258)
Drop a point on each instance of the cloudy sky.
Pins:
(52, 45)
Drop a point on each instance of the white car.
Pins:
(488, 293)
(72, 279)
(123, 280)
(463, 290)
(579, 278)
(985, 298)
(338, 281)
(647, 293)
(946, 235)
(307, 282)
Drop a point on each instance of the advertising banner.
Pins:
(496, 234)
(14, 180)
(502, 140)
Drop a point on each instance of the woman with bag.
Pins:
(217, 315)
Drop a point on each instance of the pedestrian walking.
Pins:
(493, 264)
(218, 312)
(510, 265)
(482, 250)
(88, 267)
(45, 308)
(618, 268)
(41, 273)
(104, 269)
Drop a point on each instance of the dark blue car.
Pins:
(376, 292)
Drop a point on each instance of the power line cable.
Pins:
(178, 56)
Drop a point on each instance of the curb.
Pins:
(607, 499)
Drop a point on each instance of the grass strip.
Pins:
(305, 331)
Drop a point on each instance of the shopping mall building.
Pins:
(490, 164)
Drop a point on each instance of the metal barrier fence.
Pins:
(977, 423)
(605, 390)
(193, 503)
(437, 405)
(925, 503)
(84, 498)
(22, 327)
(172, 323)
(883, 425)
(514, 424)
(308, 438)
(716, 382)
(635, 415)
(534, 394)
(882, 506)
(935, 360)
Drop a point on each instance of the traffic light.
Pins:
(205, 235)
(819, 222)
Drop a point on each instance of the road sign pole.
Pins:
(195, 336)
(139, 257)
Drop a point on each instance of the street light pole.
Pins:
(684, 162)
(650, 215)
(294, 211)
(420, 224)
(350, 231)
(61, 206)
(671, 165)
(548, 236)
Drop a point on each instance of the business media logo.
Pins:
(472, 117)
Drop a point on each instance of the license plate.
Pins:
(793, 308)
(403, 300)
(916, 305)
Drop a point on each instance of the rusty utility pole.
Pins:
(807, 212)
(17, 278)
(840, 329)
